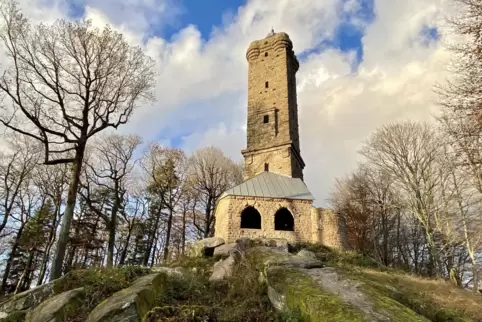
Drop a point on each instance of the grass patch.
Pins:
(242, 297)
(435, 299)
(16, 316)
(199, 265)
(98, 284)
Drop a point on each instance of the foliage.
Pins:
(98, 284)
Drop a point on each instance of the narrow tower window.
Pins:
(266, 84)
(266, 119)
(266, 54)
(266, 167)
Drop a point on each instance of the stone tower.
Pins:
(273, 142)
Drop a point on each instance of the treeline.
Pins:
(72, 196)
(136, 205)
(416, 201)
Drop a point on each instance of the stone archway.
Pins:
(283, 220)
(250, 218)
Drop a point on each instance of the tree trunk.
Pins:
(152, 236)
(112, 226)
(126, 246)
(183, 237)
(10, 258)
(57, 263)
(23, 278)
(168, 234)
(207, 226)
(51, 240)
(475, 275)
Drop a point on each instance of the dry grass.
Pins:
(436, 299)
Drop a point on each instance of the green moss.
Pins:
(98, 284)
(383, 303)
(304, 295)
(400, 295)
(184, 313)
(17, 316)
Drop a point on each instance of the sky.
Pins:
(363, 63)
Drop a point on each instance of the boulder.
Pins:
(297, 262)
(204, 247)
(306, 254)
(170, 271)
(223, 269)
(57, 308)
(226, 250)
(245, 243)
(28, 299)
(130, 304)
(276, 257)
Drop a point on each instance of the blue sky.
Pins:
(363, 63)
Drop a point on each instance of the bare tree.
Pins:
(211, 173)
(166, 171)
(460, 97)
(411, 152)
(107, 172)
(463, 207)
(17, 161)
(52, 182)
(65, 83)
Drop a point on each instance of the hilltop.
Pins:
(250, 280)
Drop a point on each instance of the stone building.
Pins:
(273, 201)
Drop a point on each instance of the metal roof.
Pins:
(271, 185)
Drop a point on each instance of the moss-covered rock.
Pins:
(300, 293)
(132, 303)
(15, 316)
(184, 313)
(31, 298)
(204, 247)
(57, 308)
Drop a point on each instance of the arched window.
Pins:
(250, 218)
(283, 220)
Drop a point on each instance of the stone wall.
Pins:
(332, 229)
(221, 223)
(280, 160)
(272, 107)
(228, 214)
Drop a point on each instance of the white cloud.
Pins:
(201, 89)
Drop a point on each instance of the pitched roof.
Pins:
(271, 185)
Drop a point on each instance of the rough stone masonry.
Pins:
(273, 201)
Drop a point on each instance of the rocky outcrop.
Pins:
(132, 303)
(28, 299)
(223, 269)
(57, 308)
(296, 283)
(300, 283)
(204, 247)
(226, 250)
